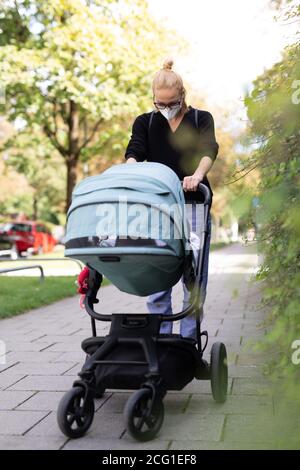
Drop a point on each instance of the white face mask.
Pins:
(170, 113)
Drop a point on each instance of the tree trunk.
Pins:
(35, 208)
(73, 150)
(71, 180)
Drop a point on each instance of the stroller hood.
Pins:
(129, 224)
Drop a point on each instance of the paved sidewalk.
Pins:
(44, 356)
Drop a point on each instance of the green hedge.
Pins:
(274, 113)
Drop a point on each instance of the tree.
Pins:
(81, 65)
(14, 25)
(33, 157)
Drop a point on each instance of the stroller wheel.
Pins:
(219, 372)
(74, 417)
(142, 424)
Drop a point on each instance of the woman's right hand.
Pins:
(131, 160)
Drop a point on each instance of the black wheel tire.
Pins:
(140, 425)
(70, 412)
(219, 372)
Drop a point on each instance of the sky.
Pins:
(230, 44)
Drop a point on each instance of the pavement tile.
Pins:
(9, 378)
(251, 386)
(10, 400)
(31, 443)
(234, 404)
(245, 371)
(55, 383)
(31, 356)
(41, 401)
(247, 428)
(65, 347)
(17, 346)
(110, 426)
(95, 443)
(18, 422)
(70, 356)
(35, 368)
(223, 445)
(247, 359)
(199, 386)
(191, 427)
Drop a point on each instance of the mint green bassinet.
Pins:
(129, 224)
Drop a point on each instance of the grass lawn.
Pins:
(66, 263)
(20, 294)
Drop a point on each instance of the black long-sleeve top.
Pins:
(180, 150)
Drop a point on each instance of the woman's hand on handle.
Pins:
(191, 183)
(131, 160)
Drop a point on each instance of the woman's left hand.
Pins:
(190, 183)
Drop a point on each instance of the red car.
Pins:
(27, 236)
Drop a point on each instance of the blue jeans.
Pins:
(161, 302)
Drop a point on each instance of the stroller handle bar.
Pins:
(204, 190)
(89, 306)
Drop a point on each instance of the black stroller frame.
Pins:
(144, 412)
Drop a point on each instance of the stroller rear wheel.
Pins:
(219, 372)
(75, 414)
(143, 423)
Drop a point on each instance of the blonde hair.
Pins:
(167, 78)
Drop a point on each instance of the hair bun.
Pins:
(168, 64)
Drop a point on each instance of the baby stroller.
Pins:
(129, 224)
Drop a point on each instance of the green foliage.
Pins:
(274, 119)
(32, 156)
(81, 65)
(14, 25)
(102, 59)
(14, 204)
(37, 293)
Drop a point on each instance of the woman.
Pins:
(182, 138)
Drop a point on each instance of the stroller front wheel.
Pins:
(75, 414)
(143, 423)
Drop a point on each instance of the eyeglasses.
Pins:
(171, 105)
